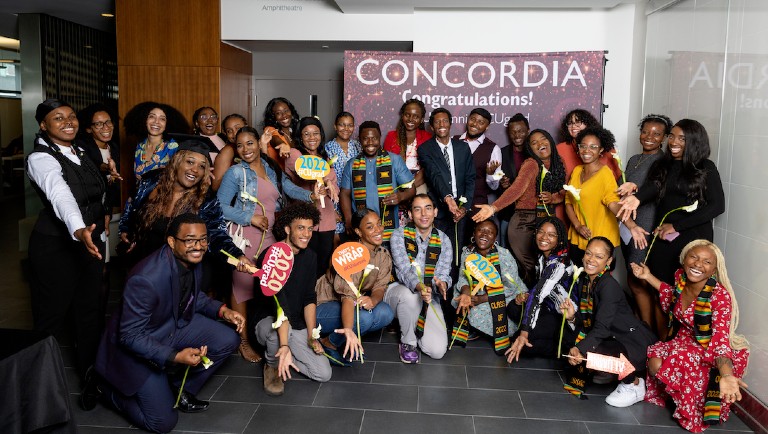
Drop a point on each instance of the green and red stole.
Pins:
(430, 260)
(384, 186)
(498, 304)
(702, 320)
(576, 377)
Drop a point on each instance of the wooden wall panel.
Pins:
(236, 59)
(236, 94)
(168, 32)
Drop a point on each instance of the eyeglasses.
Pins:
(100, 125)
(548, 235)
(592, 147)
(571, 123)
(206, 117)
(191, 242)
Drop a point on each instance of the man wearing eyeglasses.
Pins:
(164, 330)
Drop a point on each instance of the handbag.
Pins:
(235, 230)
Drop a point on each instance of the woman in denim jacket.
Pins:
(250, 194)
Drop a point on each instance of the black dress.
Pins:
(665, 255)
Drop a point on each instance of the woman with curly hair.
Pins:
(536, 189)
(281, 120)
(653, 130)
(150, 122)
(575, 121)
(184, 186)
(594, 213)
(701, 366)
(408, 135)
(542, 317)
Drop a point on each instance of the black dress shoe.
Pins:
(189, 404)
(90, 394)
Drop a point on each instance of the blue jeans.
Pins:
(329, 316)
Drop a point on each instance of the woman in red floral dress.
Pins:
(701, 367)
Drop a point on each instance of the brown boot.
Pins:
(273, 384)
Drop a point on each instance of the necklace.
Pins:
(642, 158)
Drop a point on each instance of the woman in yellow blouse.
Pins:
(594, 213)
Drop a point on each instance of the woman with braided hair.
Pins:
(702, 365)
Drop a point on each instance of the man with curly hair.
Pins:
(290, 343)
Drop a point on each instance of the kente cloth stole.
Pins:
(384, 188)
(430, 260)
(498, 304)
(577, 376)
(702, 320)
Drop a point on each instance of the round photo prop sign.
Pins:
(350, 258)
(276, 268)
(482, 270)
(313, 168)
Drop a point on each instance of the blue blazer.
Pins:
(438, 178)
(139, 337)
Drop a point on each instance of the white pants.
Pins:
(407, 305)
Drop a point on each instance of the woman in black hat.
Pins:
(183, 186)
(66, 247)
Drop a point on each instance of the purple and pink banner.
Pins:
(541, 86)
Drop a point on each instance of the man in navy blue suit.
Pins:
(165, 324)
(448, 172)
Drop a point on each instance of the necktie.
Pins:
(447, 158)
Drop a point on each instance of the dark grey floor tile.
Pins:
(241, 389)
(357, 373)
(468, 357)
(367, 396)
(210, 387)
(528, 426)
(514, 379)
(381, 352)
(564, 406)
(235, 365)
(100, 416)
(280, 419)
(230, 417)
(389, 338)
(388, 423)
(482, 402)
(421, 375)
(612, 428)
(103, 430)
(73, 380)
(538, 363)
(372, 336)
(649, 414)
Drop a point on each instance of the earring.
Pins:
(472, 240)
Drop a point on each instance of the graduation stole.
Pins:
(576, 376)
(498, 305)
(430, 260)
(383, 184)
(702, 320)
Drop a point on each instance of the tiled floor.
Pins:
(471, 390)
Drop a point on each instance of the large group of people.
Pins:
(426, 207)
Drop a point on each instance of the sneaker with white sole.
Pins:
(409, 354)
(627, 394)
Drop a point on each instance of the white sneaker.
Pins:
(627, 394)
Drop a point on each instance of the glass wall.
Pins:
(708, 60)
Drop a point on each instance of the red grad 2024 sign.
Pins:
(541, 86)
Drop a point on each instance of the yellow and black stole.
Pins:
(498, 306)
(702, 320)
(384, 186)
(430, 260)
(576, 376)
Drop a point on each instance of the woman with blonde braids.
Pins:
(183, 186)
(701, 366)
